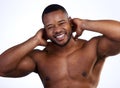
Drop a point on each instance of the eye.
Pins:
(49, 27)
(62, 23)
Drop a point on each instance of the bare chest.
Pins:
(75, 66)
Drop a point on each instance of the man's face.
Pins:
(58, 28)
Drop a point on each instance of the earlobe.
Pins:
(70, 19)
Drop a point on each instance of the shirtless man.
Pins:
(66, 62)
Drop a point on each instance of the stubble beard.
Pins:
(62, 45)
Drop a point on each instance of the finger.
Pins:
(78, 33)
(43, 41)
(76, 36)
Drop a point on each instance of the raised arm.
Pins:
(17, 60)
(109, 43)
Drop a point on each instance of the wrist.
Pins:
(84, 24)
(35, 40)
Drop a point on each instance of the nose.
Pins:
(57, 29)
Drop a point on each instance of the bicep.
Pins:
(26, 66)
(107, 47)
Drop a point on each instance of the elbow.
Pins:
(2, 74)
(116, 37)
(3, 71)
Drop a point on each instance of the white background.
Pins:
(21, 19)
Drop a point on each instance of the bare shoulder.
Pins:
(90, 47)
(90, 43)
(37, 54)
(104, 46)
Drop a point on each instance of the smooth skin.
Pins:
(66, 62)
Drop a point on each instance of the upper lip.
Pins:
(59, 36)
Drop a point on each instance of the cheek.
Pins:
(69, 28)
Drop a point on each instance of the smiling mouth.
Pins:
(60, 37)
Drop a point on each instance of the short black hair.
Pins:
(53, 7)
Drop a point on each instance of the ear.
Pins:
(72, 24)
(70, 20)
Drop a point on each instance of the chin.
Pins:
(62, 44)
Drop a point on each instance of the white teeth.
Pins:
(60, 36)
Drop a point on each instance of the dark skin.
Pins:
(66, 62)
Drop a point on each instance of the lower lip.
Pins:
(60, 39)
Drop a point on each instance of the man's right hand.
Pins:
(41, 37)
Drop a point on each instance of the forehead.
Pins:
(54, 16)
